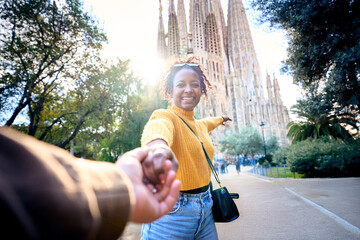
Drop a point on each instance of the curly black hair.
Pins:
(174, 69)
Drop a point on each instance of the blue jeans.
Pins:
(191, 218)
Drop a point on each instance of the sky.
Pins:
(131, 28)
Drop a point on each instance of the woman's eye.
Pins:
(195, 85)
(180, 85)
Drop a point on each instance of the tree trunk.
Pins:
(47, 130)
(16, 112)
(35, 116)
(22, 104)
(73, 135)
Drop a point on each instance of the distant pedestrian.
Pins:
(222, 166)
(237, 164)
(216, 166)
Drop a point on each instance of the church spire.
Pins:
(240, 46)
(277, 91)
(212, 31)
(173, 32)
(269, 88)
(197, 25)
(182, 28)
(209, 6)
(161, 43)
(171, 6)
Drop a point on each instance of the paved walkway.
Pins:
(288, 208)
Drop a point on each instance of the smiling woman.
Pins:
(184, 85)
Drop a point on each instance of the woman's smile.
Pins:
(188, 98)
(186, 91)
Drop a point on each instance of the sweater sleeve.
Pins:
(49, 193)
(159, 126)
(212, 122)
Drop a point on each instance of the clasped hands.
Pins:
(152, 171)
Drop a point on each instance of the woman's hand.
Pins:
(226, 118)
(156, 164)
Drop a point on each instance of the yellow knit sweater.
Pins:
(194, 171)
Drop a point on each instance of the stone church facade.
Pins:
(227, 51)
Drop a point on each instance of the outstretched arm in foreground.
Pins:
(45, 193)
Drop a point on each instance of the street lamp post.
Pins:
(262, 128)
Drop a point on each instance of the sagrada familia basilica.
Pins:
(227, 51)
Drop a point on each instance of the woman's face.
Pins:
(186, 92)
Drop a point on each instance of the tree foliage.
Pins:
(324, 48)
(43, 43)
(323, 157)
(246, 142)
(272, 144)
(126, 135)
(99, 98)
(317, 120)
(279, 157)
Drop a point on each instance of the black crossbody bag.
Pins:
(224, 208)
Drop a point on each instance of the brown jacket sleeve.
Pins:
(45, 193)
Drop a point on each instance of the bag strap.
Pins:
(206, 155)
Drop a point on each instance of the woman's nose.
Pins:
(188, 88)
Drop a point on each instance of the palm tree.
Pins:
(317, 122)
(299, 131)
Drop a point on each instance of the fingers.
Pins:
(159, 161)
(171, 198)
(168, 196)
(164, 188)
(152, 205)
(130, 163)
(154, 165)
(138, 154)
(226, 118)
(148, 169)
(167, 166)
(175, 163)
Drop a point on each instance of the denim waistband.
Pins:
(197, 190)
(194, 197)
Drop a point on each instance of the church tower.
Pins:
(228, 53)
(161, 42)
(173, 33)
(182, 28)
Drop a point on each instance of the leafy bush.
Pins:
(266, 159)
(323, 157)
(279, 157)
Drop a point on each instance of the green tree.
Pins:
(317, 120)
(246, 142)
(127, 134)
(98, 98)
(324, 48)
(272, 144)
(229, 144)
(42, 44)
